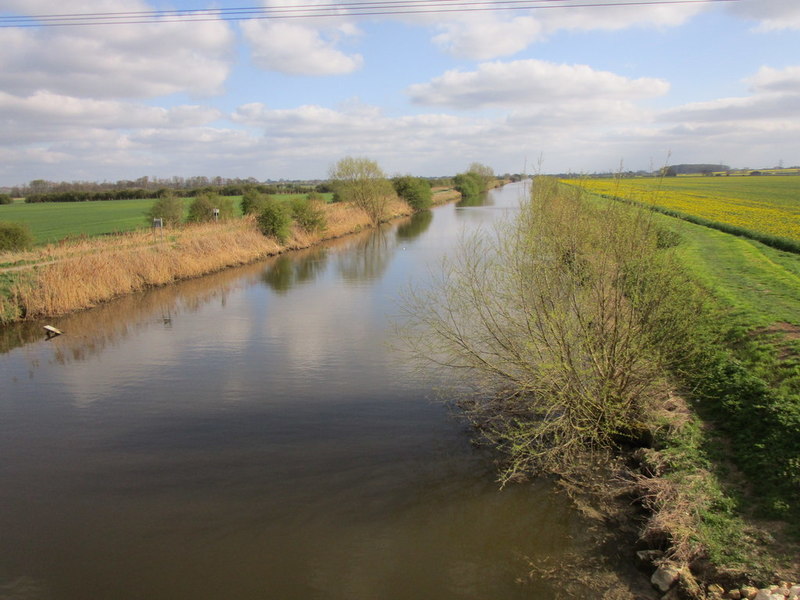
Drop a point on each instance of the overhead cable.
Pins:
(316, 11)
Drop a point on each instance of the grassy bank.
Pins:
(751, 382)
(77, 274)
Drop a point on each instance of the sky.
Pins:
(632, 86)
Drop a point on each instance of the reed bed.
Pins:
(79, 274)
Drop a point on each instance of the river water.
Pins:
(252, 434)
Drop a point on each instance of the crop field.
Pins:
(768, 205)
(54, 221)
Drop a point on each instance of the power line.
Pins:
(311, 11)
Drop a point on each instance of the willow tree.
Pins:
(362, 182)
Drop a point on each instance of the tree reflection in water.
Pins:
(369, 261)
(289, 270)
(415, 226)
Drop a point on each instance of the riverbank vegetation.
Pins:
(362, 182)
(80, 272)
(474, 181)
(414, 190)
(750, 385)
(591, 348)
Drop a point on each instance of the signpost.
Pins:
(158, 225)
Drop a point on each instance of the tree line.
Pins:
(143, 193)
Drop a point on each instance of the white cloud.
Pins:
(308, 49)
(771, 15)
(776, 80)
(486, 37)
(44, 110)
(776, 97)
(616, 18)
(120, 61)
(298, 49)
(530, 82)
(736, 111)
(483, 36)
(323, 130)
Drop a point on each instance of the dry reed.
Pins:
(79, 274)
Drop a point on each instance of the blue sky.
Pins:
(583, 89)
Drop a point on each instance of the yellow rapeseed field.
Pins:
(768, 205)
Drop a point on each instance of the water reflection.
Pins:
(373, 252)
(87, 333)
(19, 334)
(286, 271)
(484, 199)
(415, 226)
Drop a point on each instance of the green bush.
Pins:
(5, 199)
(201, 210)
(226, 206)
(253, 201)
(167, 207)
(414, 190)
(14, 236)
(275, 220)
(468, 184)
(315, 197)
(309, 215)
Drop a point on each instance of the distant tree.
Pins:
(468, 184)
(414, 190)
(5, 199)
(668, 172)
(39, 186)
(362, 182)
(167, 207)
(485, 172)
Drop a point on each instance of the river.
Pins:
(252, 434)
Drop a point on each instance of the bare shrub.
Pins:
(562, 322)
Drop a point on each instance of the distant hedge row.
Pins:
(142, 194)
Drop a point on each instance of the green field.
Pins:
(54, 221)
(758, 284)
